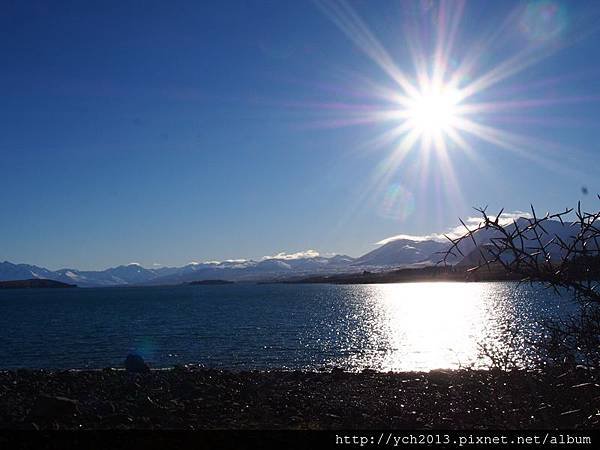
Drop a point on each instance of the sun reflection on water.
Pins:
(425, 326)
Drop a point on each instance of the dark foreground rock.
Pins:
(47, 406)
(184, 398)
(136, 364)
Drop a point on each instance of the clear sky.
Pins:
(165, 132)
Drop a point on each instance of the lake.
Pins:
(410, 326)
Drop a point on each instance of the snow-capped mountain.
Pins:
(553, 228)
(135, 274)
(402, 251)
(265, 269)
(396, 253)
(10, 272)
(121, 275)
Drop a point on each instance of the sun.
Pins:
(433, 111)
(444, 99)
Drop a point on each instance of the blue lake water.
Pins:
(410, 326)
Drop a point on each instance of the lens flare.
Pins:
(543, 20)
(398, 203)
(145, 347)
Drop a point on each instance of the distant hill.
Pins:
(477, 257)
(36, 283)
(482, 239)
(411, 275)
(114, 276)
(10, 271)
(250, 270)
(402, 251)
(210, 282)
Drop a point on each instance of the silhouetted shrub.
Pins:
(565, 259)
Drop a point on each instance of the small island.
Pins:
(35, 283)
(210, 282)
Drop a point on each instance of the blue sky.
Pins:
(166, 132)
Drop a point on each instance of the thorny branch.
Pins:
(526, 248)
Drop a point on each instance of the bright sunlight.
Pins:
(432, 112)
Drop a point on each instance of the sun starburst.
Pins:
(444, 101)
(433, 111)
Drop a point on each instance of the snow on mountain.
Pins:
(402, 251)
(266, 269)
(405, 250)
(114, 276)
(566, 231)
(12, 272)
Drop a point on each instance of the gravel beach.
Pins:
(194, 398)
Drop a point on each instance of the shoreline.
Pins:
(201, 398)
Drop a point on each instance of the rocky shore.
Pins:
(188, 398)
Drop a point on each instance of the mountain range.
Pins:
(398, 253)
(135, 274)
